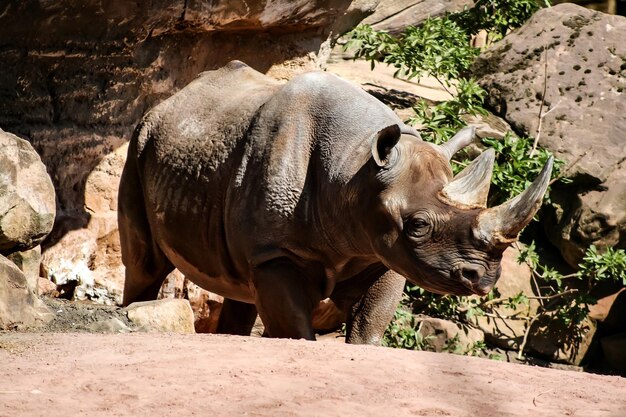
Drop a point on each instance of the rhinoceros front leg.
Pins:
(371, 315)
(285, 297)
(236, 318)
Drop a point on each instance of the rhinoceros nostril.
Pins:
(472, 273)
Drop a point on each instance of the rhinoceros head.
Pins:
(435, 229)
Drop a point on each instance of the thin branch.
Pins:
(574, 275)
(503, 317)
(549, 297)
(551, 109)
(543, 98)
(443, 85)
(493, 301)
(566, 170)
(534, 276)
(504, 321)
(460, 163)
(377, 86)
(525, 340)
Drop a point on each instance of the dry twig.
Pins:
(526, 333)
(540, 394)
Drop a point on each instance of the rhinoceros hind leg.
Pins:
(285, 297)
(146, 265)
(236, 318)
(144, 279)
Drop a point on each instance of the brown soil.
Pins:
(61, 374)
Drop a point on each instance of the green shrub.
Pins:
(403, 332)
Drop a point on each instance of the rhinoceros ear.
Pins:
(383, 143)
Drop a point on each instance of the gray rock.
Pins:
(29, 263)
(27, 205)
(167, 315)
(112, 325)
(19, 306)
(447, 336)
(583, 114)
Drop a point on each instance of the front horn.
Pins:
(471, 186)
(459, 141)
(501, 224)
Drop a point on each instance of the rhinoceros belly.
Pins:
(186, 221)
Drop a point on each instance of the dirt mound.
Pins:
(160, 374)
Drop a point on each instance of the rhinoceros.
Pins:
(279, 195)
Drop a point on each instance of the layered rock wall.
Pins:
(78, 75)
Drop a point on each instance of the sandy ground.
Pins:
(71, 374)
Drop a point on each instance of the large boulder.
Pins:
(27, 204)
(571, 61)
(19, 305)
(557, 341)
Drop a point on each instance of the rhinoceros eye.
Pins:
(418, 227)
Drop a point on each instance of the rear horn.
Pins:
(471, 186)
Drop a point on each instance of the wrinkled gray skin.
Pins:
(279, 195)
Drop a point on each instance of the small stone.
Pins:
(113, 325)
(47, 288)
(447, 336)
(169, 315)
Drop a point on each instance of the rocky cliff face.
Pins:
(77, 75)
